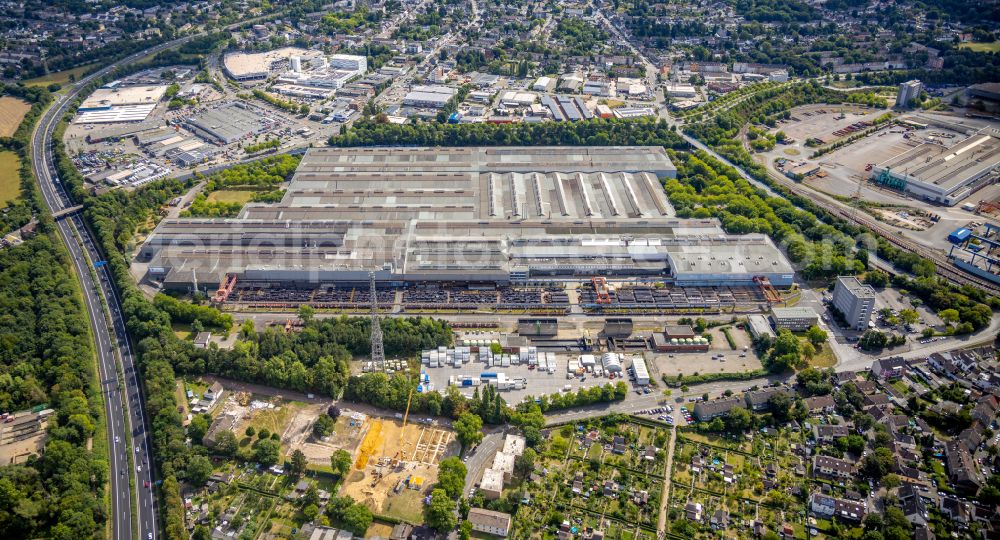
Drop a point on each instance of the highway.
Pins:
(124, 405)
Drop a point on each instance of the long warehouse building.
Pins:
(943, 174)
(474, 215)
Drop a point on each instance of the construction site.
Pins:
(395, 464)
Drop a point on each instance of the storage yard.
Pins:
(457, 216)
(539, 374)
(927, 157)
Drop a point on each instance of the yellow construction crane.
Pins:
(407, 413)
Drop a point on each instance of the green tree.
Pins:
(451, 476)
(525, 463)
(266, 452)
(197, 428)
(909, 316)
(296, 465)
(469, 429)
(873, 340)
(737, 420)
(340, 462)
(357, 518)
(323, 426)
(440, 513)
(199, 468)
(877, 279)
(226, 443)
(949, 316)
(816, 335)
(877, 464)
(309, 512)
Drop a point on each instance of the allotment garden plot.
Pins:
(605, 475)
(725, 484)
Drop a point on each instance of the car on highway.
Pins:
(145, 484)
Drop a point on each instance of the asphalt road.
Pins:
(127, 426)
(481, 457)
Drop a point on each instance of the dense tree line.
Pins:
(186, 312)
(601, 132)
(606, 393)
(46, 358)
(707, 188)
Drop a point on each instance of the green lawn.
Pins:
(824, 357)
(61, 77)
(10, 180)
(182, 331)
(982, 47)
(408, 506)
(231, 196)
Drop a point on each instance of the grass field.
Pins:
(824, 357)
(12, 111)
(182, 331)
(231, 196)
(982, 47)
(61, 77)
(10, 182)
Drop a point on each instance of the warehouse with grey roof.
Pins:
(490, 215)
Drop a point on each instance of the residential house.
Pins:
(489, 521)
(202, 339)
(692, 511)
(401, 531)
(618, 445)
(956, 510)
(914, 507)
(827, 433)
(820, 404)
(719, 520)
(832, 467)
(961, 467)
(822, 505)
(850, 510)
(708, 410)
(889, 368)
(972, 436)
(213, 393)
(760, 400)
(875, 400)
(986, 408)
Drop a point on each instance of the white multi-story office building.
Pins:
(855, 301)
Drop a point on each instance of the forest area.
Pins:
(645, 131)
(47, 359)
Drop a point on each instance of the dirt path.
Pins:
(661, 523)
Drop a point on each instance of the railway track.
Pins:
(943, 266)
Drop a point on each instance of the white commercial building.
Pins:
(544, 84)
(942, 174)
(612, 362)
(680, 90)
(641, 372)
(502, 468)
(908, 91)
(855, 301)
(431, 96)
(349, 62)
